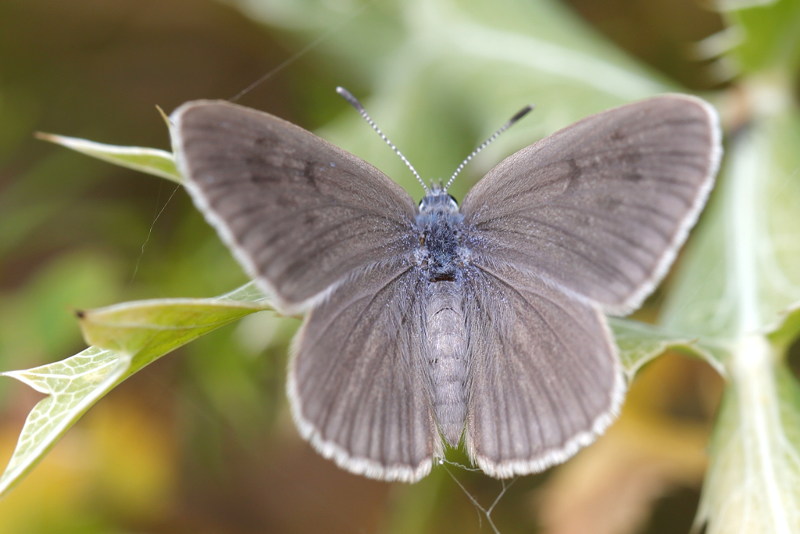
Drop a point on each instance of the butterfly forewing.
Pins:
(299, 213)
(600, 207)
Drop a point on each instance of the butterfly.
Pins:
(430, 324)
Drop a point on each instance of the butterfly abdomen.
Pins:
(446, 354)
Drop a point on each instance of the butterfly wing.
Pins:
(299, 213)
(355, 379)
(320, 228)
(600, 207)
(545, 379)
(584, 221)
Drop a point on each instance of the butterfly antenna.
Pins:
(353, 101)
(517, 116)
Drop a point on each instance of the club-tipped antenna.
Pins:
(517, 116)
(353, 101)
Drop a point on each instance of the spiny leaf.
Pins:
(738, 280)
(753, 482)
(640, 342)
(127, 337)
(148, 160)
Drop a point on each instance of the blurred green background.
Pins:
(202, 440)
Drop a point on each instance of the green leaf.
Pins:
(738, 280)
(148, 160)
(126, 338)
(640, 342)
(789, 330)
(151, 328)
(73, 386)
(753, 482)
(769, 36)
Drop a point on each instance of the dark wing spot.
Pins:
(574, 172)
(629, 161)
(312, 172)
(609, 204)
(617, 135)
(630, 157)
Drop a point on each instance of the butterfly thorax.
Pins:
(440, 253)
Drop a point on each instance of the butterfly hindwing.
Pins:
(358, 390)
(545, 377)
